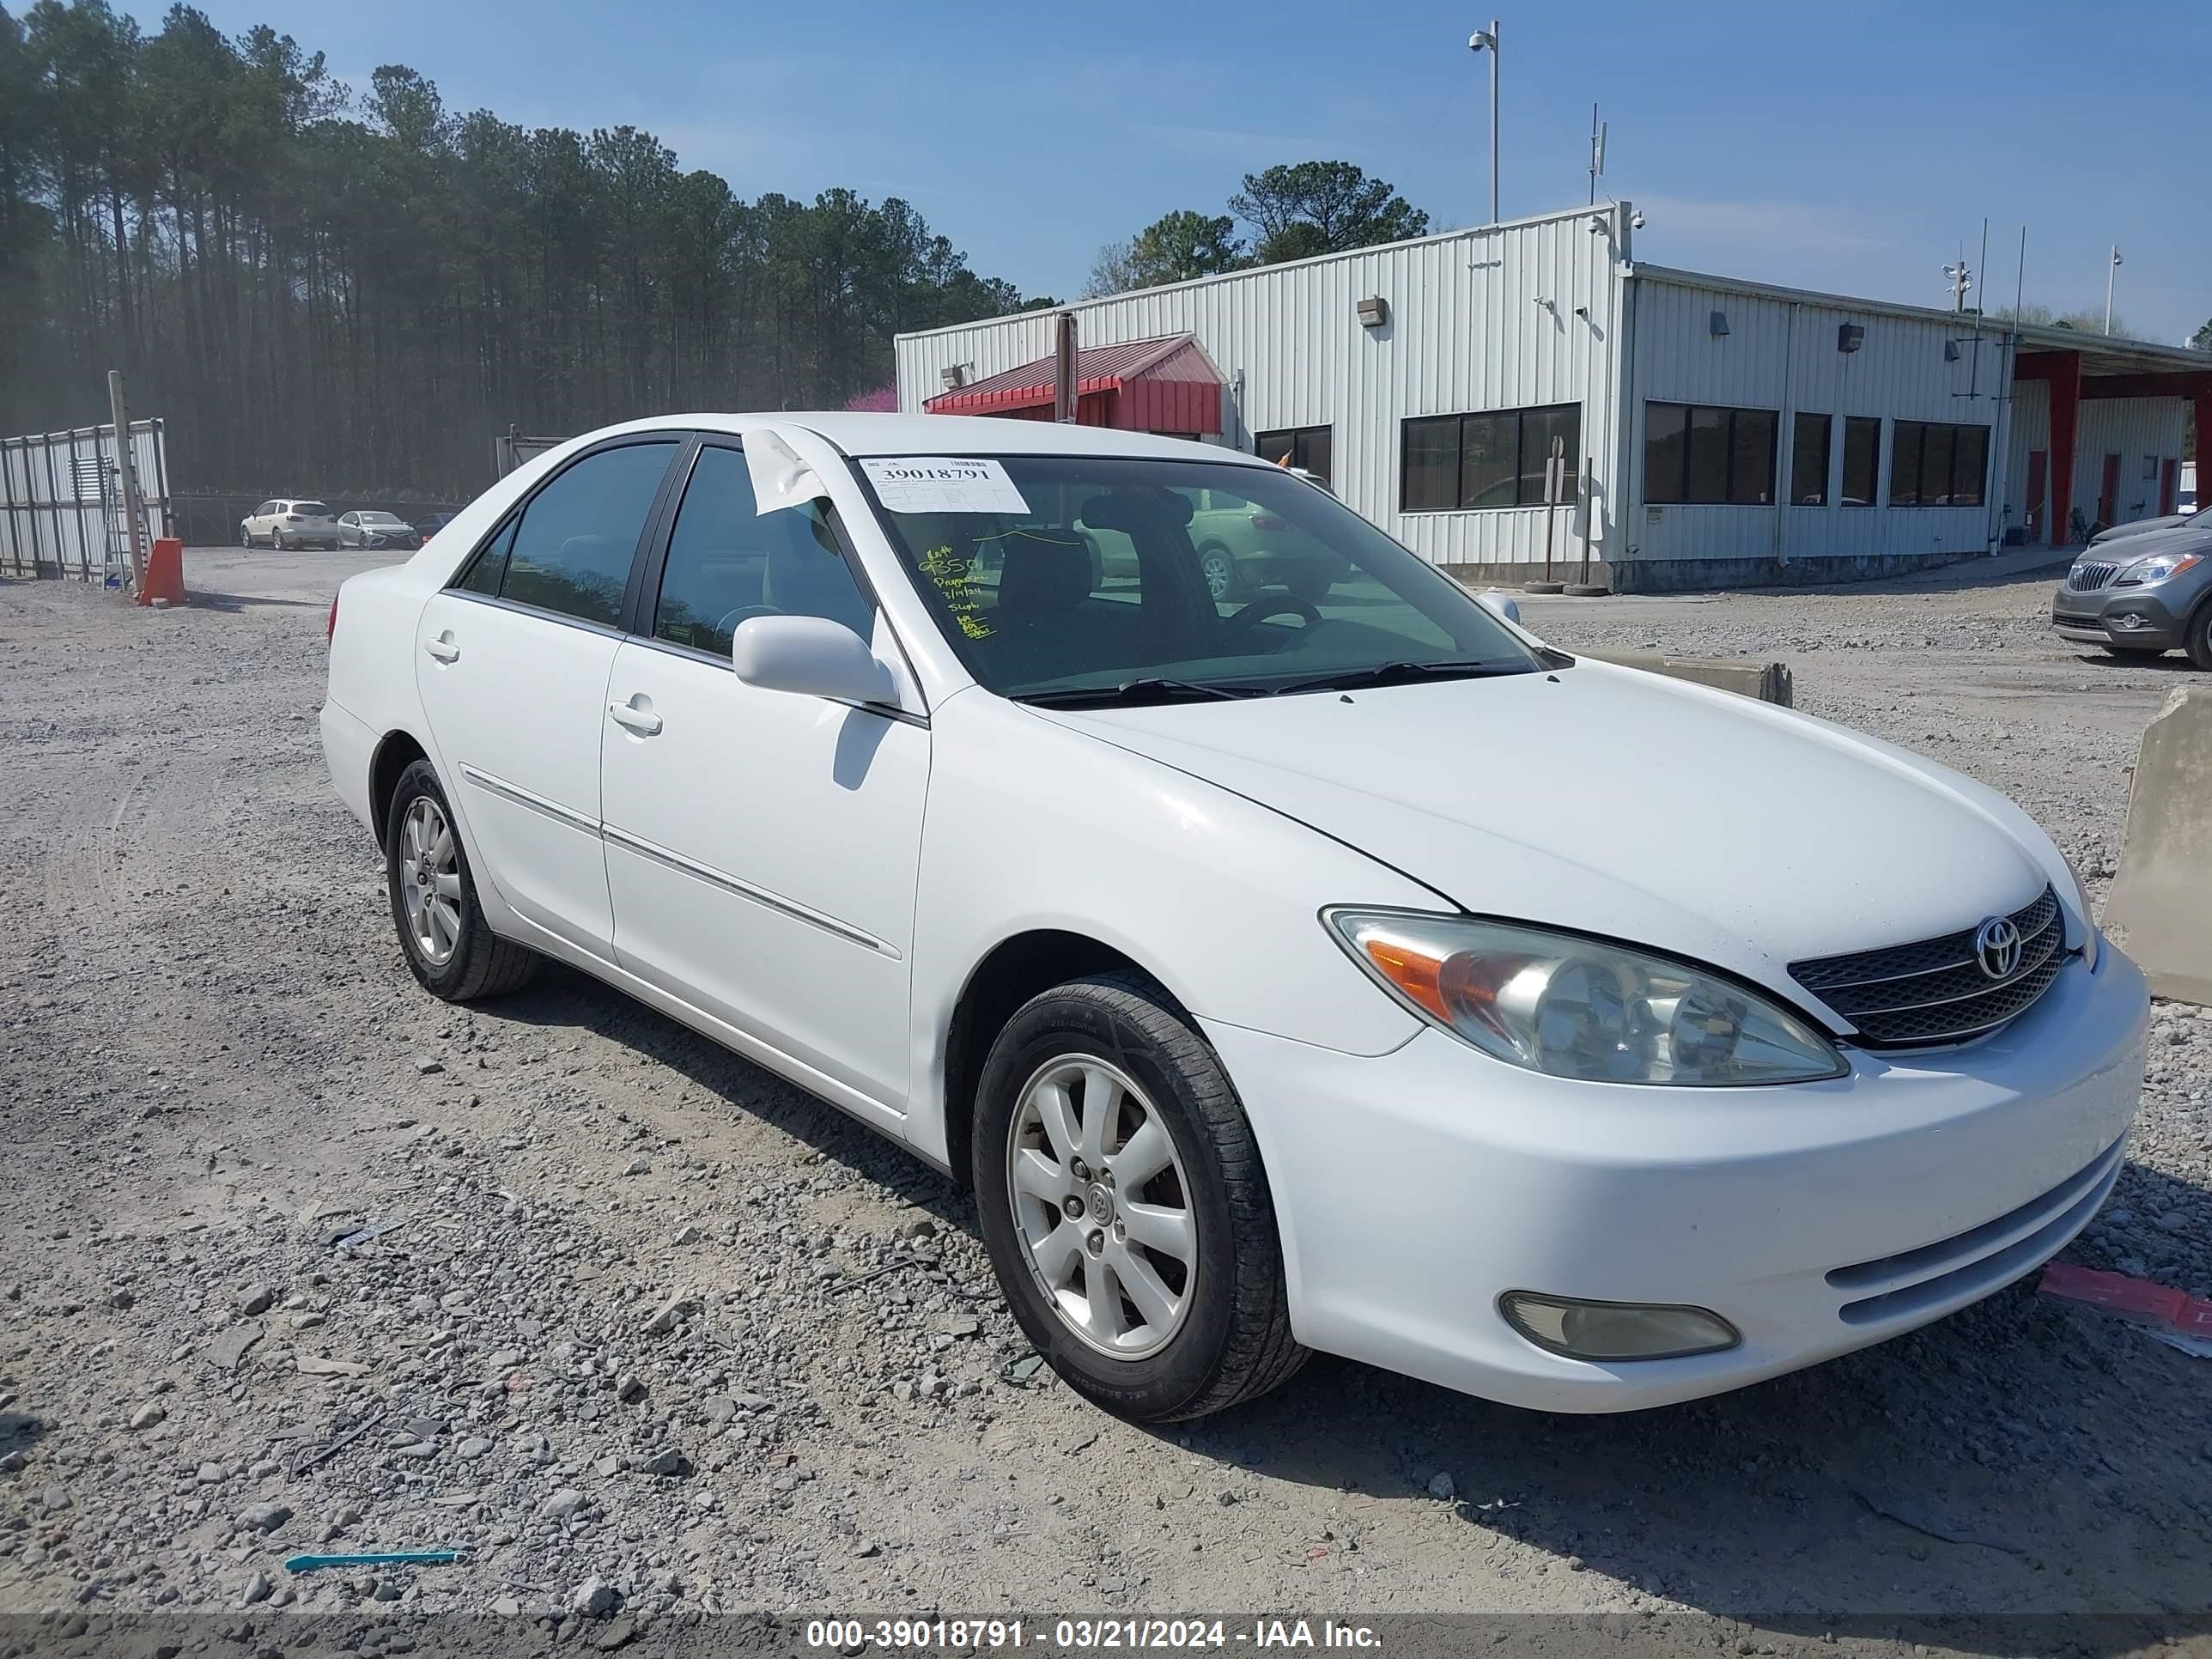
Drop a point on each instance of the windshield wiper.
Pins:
(1133, 691)
(1401, 673)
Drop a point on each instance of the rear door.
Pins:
(513, 658)
(761, 847)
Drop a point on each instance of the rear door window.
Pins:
(572, 549)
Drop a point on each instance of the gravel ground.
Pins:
(293, 1255)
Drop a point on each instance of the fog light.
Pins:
(1614, 1330)
(2133, 619)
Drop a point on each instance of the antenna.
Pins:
(1597, 153)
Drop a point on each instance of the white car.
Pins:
(286, 522)
(1359, 974)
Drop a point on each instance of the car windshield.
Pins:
(1104, 580)
(379, 518)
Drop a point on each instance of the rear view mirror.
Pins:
(812, 657)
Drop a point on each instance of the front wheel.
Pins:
(448, 945)
(1124, 1205)
(2197, 641)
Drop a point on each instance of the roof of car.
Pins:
(859, 433)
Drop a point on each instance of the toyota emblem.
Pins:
(1998, 948)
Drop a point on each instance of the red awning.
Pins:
(1167, 384)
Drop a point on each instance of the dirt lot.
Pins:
(653, 1333)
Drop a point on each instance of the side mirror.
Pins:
(1499, 603)
(810, 656)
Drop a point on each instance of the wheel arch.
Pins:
(395, 753)
(1012, 971)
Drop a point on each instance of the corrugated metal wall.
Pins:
(2136, 430)
(1466, 333)
(1783, 354)
(2144, 433)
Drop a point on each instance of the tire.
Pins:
(477, 963)
(2197, 640)
(1219, 566)
(244, 537)
(1230, 1339)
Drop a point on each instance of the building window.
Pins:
(1862, 460)
(1450, 462)
(1704, 456)
(1808, 461)
(1307, 448)
(1937, 463)
(2150, 469)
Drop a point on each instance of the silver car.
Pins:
(2143, 595)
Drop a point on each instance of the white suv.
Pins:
(1352, 972)
(285, 522)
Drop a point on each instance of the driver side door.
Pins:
(761, 847)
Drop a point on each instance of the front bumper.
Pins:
(1415, 1189)
(2138, 618)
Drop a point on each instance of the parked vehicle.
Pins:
(1360, 973)
(431, 523)
(289, 522)
(2143, 595)
(1242, 548)
(376, 529)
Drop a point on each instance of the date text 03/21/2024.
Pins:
(851, 1635)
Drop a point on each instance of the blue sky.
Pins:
(1849, 148)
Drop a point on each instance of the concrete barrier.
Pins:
(1768, 681)
(2162, 898)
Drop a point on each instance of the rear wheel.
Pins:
(1124, 1205)
(1219, 567)
(448, 945)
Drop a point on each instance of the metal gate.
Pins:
(61, 502)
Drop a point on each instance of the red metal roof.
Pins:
(1163, 385)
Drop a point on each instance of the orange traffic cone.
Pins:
(165, 574)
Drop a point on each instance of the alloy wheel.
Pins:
(430, 881)
(1219, 573)
(1103, 1206)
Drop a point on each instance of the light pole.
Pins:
(1486, 40)
(2111, 270)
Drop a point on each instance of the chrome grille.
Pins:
(1934, 990)
(2084, 577)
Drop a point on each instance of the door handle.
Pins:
(631, 718)
(443, 648)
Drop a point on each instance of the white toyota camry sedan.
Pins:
(1346, 970)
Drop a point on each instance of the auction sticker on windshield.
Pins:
(943, 484)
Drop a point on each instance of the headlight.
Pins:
(2157, 568)
(1577, 1008)
(2092, 940)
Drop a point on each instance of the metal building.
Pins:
(1713, 431)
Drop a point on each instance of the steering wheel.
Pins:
(1273, 604)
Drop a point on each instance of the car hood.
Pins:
(1614, 802)
(2126, 550)
(2140, 527)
